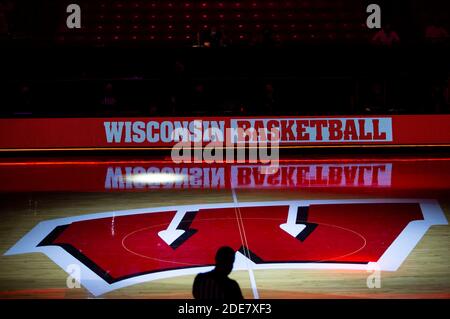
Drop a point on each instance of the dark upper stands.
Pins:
(177, 22)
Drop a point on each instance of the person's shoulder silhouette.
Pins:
(216, 285)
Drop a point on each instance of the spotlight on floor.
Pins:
(157, 178)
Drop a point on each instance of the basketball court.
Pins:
(138, 138)
(321, 227)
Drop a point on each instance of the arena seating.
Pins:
(177, 22)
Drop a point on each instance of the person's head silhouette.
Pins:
(225, 260)
(215, 284)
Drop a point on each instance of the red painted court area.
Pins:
(129, 245)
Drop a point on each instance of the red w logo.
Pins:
(117, 249)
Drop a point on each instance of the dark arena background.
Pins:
(137, 137)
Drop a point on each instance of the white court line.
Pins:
(249, 266)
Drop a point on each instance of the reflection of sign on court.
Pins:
(347, 174)
(123, 248)
(197, 177)
(316, 175)
(245, 176)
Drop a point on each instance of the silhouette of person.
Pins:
(215, 285)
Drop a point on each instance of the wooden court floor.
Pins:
(424, 274)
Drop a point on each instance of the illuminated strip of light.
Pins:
(330, 159)
(157, 178)
(137, 149)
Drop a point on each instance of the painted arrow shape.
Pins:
(173, 231)
(291, 227)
